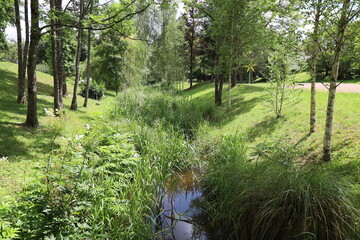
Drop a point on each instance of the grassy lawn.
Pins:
(26, 148)
(304, 77)
(253, 119)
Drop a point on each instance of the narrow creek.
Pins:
(180, 209)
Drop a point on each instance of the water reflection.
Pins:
(179, 208)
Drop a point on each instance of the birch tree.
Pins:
(345, 16)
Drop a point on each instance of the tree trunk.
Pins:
(31, 118)
(88, 68)
(233, 79)
(229, 91)
(78, 54)
(333, 81)
(21, 75)
(54, 59)
(27, 38)
(313, 67)
(218, 89)
(59, 51)
(192, 40)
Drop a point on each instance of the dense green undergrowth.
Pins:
(108, 181)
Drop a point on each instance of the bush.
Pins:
(273, 200)
(96, 91)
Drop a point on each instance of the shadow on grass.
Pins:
(263, 128)
(14, 139)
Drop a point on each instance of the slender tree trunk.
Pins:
(78, 54)
(31, 118)
(27, 37)
(229, 91)
(21, 75)
(333, 81)
(59, 51)
(54, 59)
(88, 68)
(313, 67)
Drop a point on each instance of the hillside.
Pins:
(251, 116)
(25, 148)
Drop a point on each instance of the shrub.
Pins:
(96, 91)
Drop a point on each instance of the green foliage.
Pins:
(109, 61)
(273, 200)
(69, 52)
(6, 13)
(167, 60)
(9, 54)
(88, 192)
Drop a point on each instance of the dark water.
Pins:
(178, 217)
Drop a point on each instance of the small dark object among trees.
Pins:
(95, 92)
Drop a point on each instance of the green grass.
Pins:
(26, 148)
(250, 116)
(304, 77)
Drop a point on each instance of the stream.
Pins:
(177, 219)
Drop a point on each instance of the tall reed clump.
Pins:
(275, 199)
(148, 105)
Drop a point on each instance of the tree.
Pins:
(21, 75)
(191, 35)
(78, 54)
(88, 66)
(167, 60)
(314, 53)
(31, 118)
(280, 82)
(338, 45)
(22, 50)
(6, 13)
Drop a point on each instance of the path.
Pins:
(344, 87)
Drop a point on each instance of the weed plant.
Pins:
(276, 199)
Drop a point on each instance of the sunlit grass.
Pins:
(250, 116)
(25, 148)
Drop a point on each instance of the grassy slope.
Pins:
(26, 148)
(250, 116)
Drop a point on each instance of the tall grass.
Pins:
(276, 199)
(148, 105)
